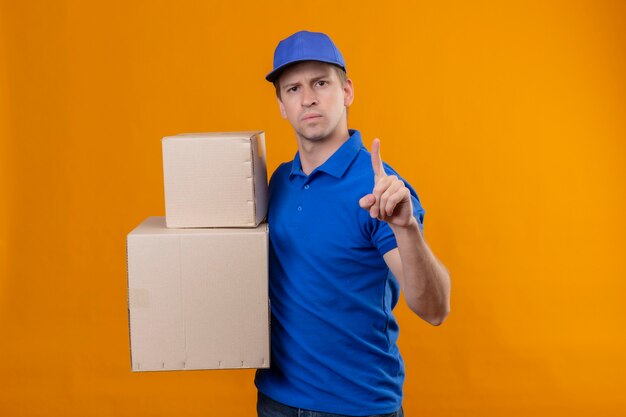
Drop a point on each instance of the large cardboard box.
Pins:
(197, 298)
(215, 179)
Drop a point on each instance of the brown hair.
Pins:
(341, 74)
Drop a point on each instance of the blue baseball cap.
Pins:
(304, 46)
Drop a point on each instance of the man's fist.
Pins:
(390, 200)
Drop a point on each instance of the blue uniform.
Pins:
(332, 295)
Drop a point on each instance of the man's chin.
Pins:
(313, 136)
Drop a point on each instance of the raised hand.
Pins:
(390, 200)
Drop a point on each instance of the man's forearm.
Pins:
(425, 281)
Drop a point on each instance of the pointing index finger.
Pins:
(377, 162)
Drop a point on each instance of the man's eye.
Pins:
(322, 82)
(292, 88)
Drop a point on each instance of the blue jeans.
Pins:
(266, 407)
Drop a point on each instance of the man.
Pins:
(340, 221)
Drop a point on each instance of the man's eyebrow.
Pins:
(290, 84)
(316, 78)
(319, 77)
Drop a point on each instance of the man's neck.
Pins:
(315, 153)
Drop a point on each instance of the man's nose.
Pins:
(308, 97)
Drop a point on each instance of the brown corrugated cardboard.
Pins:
(197, 298)
(215, 179)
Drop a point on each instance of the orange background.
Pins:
(507, 117)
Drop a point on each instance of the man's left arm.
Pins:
(423, 279)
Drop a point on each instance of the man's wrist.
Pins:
(411, 228)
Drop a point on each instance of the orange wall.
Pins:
(507, 117)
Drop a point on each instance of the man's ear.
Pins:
(283, 113)
(348, 93)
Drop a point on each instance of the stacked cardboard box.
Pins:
(197, 279)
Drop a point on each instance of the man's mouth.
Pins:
(311, 116)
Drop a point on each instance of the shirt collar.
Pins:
(338, 162)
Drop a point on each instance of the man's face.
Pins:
(313, 100)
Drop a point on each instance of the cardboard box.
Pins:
(215, 179)
(197, 298)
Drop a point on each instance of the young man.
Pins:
(345, 237)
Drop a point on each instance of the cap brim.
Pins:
(272, 76)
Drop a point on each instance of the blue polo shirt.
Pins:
(332, 295)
